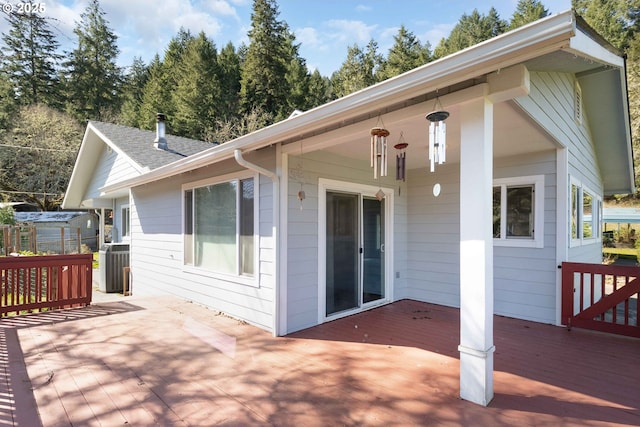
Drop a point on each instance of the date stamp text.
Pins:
(23, 8)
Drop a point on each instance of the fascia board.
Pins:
(522, 44)
(87, 158)
(80, 173)
(140, 169)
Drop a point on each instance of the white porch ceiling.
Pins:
(514, 134)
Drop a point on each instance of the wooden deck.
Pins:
(167, 362)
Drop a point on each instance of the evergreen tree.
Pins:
(357, 71)
(263, 77)
(470, 30)
(155, 96)
(30, 59)
(297, 77)
(93, 79)
(406, 54)
(198, 89)
(229, 75)
(133, 91)
(527, 11)
(320, 90)
(609, 18)
(158, 93)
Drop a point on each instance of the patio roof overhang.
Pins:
(534, 45)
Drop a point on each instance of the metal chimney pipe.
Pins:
(161, 141)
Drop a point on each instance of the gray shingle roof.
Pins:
(138, 145)
(46, 216)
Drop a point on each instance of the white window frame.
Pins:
(596, 212)
(250, 280)
(537, 181)
(125, 215)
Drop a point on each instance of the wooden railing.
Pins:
(37, 283)
(601, 297)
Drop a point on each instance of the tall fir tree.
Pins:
(470, 30)
(30, 59)
(198, 89)
(297, 77)
(320, 90)
(358, 70)
(158, 92)
(93, 80)
(132, 92)
(609, 18)
(527, 11)
(263, 77)
(406, 54)
(229, 74)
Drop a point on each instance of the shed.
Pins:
(69, 228)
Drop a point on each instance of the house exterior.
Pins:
(287, 227)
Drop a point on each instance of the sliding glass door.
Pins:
(355, 257)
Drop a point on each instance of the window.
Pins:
(518, 213)
(125, 221)
(585, 214)
(219, 227)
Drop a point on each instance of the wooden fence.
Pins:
(601, 297)
(39, 283)
(57, 240)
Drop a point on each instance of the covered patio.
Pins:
(162, 361)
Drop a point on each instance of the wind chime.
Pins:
(379, 151)
(401, 157)
(437, 135)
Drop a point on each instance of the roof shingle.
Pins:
(138, 145)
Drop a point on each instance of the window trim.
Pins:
(236, 278)
(596, 212)
(537, 181)
(125, 232)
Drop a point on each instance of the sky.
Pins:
(323, 28)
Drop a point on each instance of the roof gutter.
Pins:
(237, 154)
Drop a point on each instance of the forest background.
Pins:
(213, 94)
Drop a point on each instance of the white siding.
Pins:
(111, 168)
(157, 248)
(524, 278)
(433, 230)
(551, 103)
(302, 239)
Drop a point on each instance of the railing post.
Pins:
(62, 240)
(567, 294)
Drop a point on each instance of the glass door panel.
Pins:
(342, 257)
(373, 250)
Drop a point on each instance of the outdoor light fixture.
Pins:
(401, 146)
(437, 135)
(379, 151)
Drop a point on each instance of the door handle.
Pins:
(382, 247)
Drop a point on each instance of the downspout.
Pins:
(237, 154)
(244, 162)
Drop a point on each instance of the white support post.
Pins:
(476, 251)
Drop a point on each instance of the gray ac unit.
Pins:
(113, 258)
